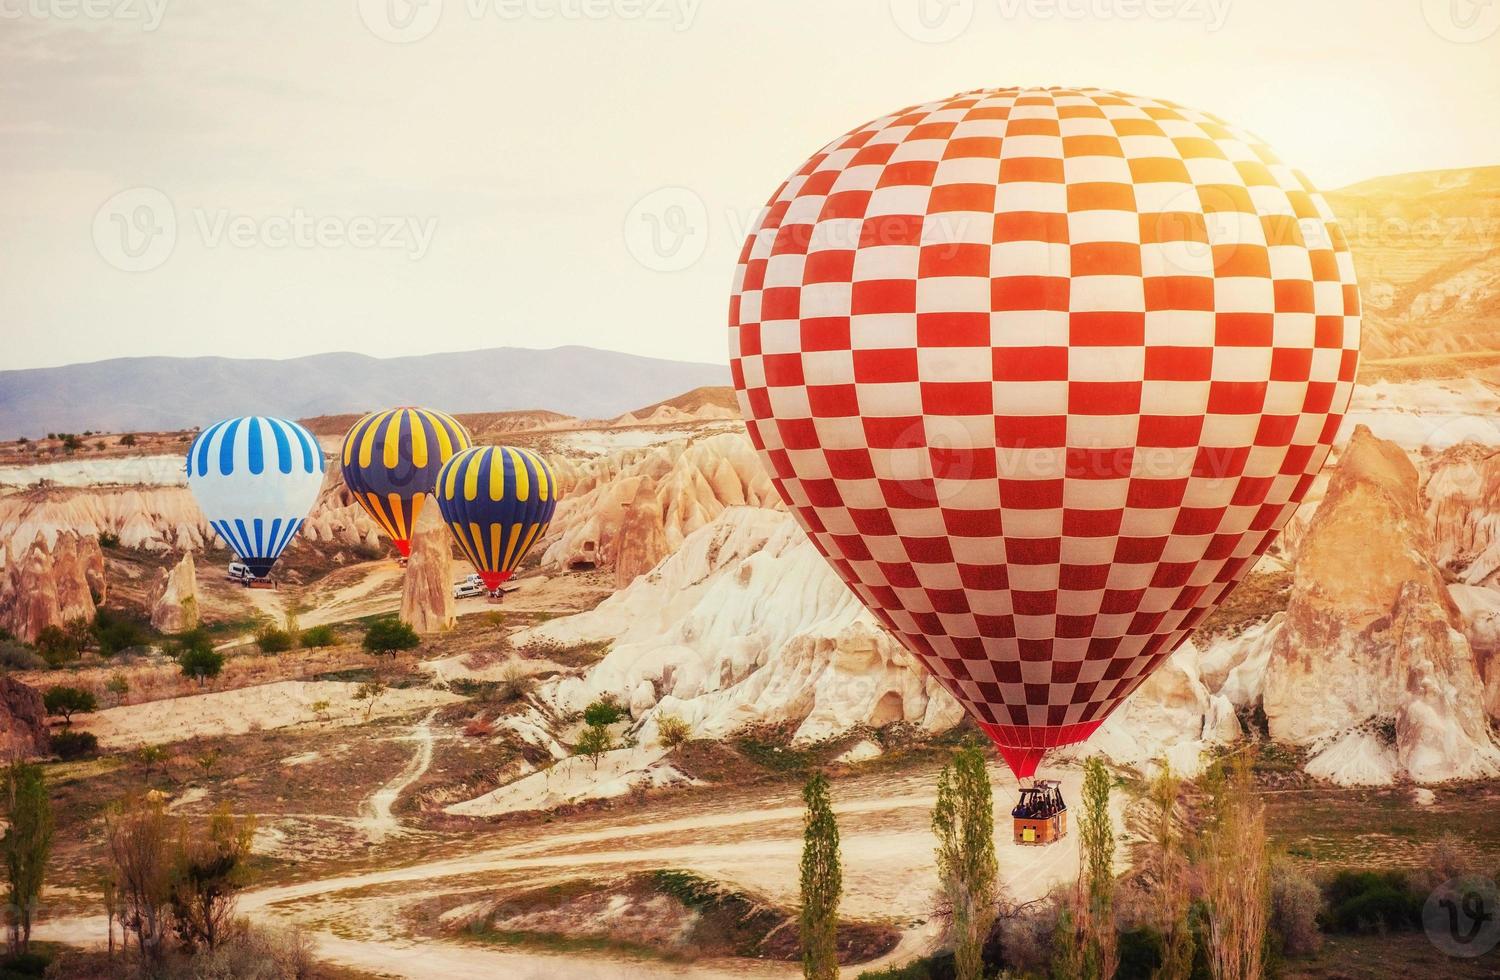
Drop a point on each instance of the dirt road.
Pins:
(750, 837)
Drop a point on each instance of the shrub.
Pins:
(62, 701)
(318, 636)
(15, 655)
(672, 731)
(128, 439)
(200, 663)
(594, 742)
(603, 712)
(1369, 901)
(57, 645)
(116, 631)
(272, 640)
(390, 635)
(68, 745)
(1140, 954)
(1296, 903)
(109, 539)
(515, 683)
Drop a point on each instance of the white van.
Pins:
(468, 588)
(239, 572)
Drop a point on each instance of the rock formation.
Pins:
(745, 623)
(23, 719)
(642, 541)
(693, 481)
(50, 583)
(1462, 495)
(427, 594)
(177, 608)
(1370, 667)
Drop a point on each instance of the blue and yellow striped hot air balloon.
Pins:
(391, 462)
(497, 501)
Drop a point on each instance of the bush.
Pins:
(605, 711)
(1296, 904)
(255, 953)
(116, 631)
(25, 965)
(273, 640)
(128, 439)
(390, 635)
(15, 655)
(1140, 954)
(1371, 901)
(68, 745)
(672, 731)
(62, 701)
(318, 636)
(200, 664)
(57, 645)
(109, 539)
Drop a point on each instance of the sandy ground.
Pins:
(248, 709)
(748, 837)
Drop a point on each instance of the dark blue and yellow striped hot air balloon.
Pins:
(497, 501)
(391, 462)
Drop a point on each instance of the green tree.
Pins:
(1237, 869)
(318, 636)
(200, 663)
(27, 844)
(672, 731)
(272, 640)
(964, 823)
(605, 711)
(370, 691)
(389, 635)
(128, 439)
(822, 883)
(1170, 868)
(63, 701)
(594, 742)
(151, 756)
(208, 871)
(1097, 839)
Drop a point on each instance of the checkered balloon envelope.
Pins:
(1042, 373)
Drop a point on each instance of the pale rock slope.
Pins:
(1371, 643)
(49, 583)
(176, 609)
(1462, 496)
(745, 623)
(163, 518)
(629, 510)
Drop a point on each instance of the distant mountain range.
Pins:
(153, 393)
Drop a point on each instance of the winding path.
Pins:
(375, 816)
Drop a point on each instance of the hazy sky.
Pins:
(259, 178)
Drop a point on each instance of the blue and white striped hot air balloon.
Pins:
(255, 479)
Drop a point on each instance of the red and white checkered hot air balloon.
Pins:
(1042, 372)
